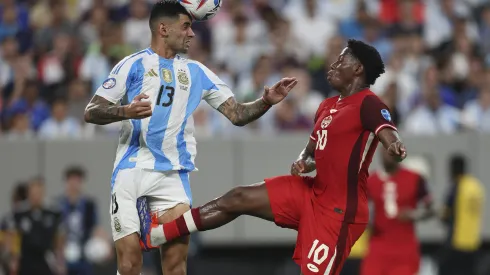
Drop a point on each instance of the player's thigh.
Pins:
(286, 197)
(124, 215)
(169, 196)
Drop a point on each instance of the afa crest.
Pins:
(117, 225)
(326, 121)
(167, 75)
(183, 79)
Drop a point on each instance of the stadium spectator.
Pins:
(60, 125)
(18, 197)
(20, 127)
(39, 228)
(136, 31)
(31, 104)
(79, 214)
(476, 113)
(432, 116)
(462, 216)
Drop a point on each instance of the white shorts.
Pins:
(164, 190)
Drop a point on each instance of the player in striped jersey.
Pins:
(159, 90)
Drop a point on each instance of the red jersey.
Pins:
(390, 194)
(345, 133)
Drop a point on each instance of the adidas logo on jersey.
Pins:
(151, 73)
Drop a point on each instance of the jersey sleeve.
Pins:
(423, 194)
(216, 92)
(115, 86)
(375, 115)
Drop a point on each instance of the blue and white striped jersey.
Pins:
(165, 141)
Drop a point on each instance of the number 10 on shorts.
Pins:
(319, 252)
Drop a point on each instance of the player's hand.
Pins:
(279, 91)
(302, 167)
(406, 215)
(398, 150)
(138, 108)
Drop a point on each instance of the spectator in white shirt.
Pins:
(136, 31)
(60, 125)
(476, 113)
(21, 129)
(433, 116)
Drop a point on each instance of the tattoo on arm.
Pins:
(308, 154)
(241, 114)
(101, 111)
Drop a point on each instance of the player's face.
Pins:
(342, 71)
(36, 193)
(180, 34)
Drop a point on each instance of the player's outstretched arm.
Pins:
(391, 141)
(306, 160)
(241, 114)
(101, 111)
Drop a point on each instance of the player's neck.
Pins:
(163, 51)
(355, 87)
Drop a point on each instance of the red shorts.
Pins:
(323, 244)
(390, 264)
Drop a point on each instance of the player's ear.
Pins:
(359, 69)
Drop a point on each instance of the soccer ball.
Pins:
(201, 9)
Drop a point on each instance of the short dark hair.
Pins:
(74, 171)
(369, 58)
(20, 192)
(457, 165)
(166, 8)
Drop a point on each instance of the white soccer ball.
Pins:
(201, 9)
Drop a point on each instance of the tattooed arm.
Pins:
(101, 111)
(241, 114)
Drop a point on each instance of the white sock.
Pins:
(157, 237)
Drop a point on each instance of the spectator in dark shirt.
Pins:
(39, 228)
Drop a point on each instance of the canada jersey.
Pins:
(345, 134)
(165, 141)
(390, 194)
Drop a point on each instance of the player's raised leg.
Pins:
(277, 199)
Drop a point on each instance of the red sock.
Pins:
(189, 222)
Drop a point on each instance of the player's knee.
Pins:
(236, 200)
(129, 266)
(175, 265)
(129, 262)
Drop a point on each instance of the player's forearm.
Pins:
(388, 136)
(241, 114)
(422, 214)
(101, 111)
(308, 155)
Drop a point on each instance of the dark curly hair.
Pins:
(369, 58)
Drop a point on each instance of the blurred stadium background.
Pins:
(55, 53)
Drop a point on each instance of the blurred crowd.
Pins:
(60, 235)
(55, 53)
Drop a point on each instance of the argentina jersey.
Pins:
(165, 140)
